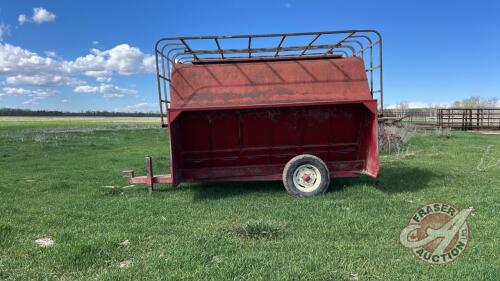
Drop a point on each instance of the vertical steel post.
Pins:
(381, 74)
(159, 84)
(371, 69)
(149, 173)
(249, 46)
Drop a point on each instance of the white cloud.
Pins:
(122, 59)
(36, 80)
(17, 91)
(23, 67)
(65, 101)
(4, 30)
(33, 100)
(107, 90)
(50, 54)
(34, 95)
(416, 104)
(40, 15)
(22, 19)
(73, 82)
(86, 89)
(143, 107)
(103, 79)
(27, 92)
(95, 42)
(97, 73)
(419, 104)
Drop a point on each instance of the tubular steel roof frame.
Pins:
(170, 50)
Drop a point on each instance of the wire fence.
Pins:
(421, 117)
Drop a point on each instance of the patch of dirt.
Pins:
(44, 242)
(353, 276)
(117, 186)
(26, 180)
(124, 243)
(409, 155)
(124, 264)
(99, 128)
(216, 259)
(489, 132)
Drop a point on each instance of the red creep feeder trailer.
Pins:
(296, 107)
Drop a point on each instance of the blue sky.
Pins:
(96, 55)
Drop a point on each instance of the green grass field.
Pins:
(61, 178)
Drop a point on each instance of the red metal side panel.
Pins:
(268, 82)
(372, 159)
(255, 144)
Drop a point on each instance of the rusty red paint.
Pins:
(242, 121)
(269, 82)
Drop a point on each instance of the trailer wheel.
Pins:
(306, 175)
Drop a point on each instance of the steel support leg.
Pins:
(149, 173)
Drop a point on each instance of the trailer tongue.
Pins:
(271, 110)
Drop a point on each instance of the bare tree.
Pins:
(476, 102)
(402, 107)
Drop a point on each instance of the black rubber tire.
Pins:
(298, 161)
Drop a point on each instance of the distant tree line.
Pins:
(29, 112)
(471, 102)
(476, 102)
